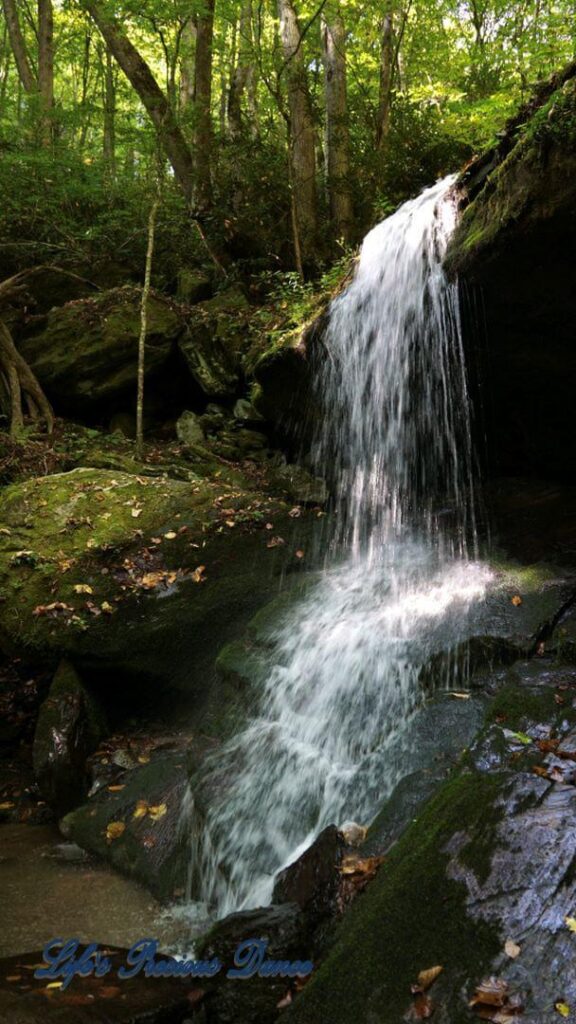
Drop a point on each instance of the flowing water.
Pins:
(330, 736)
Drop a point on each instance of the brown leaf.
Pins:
(491, 992)
(428, 977)
(516, 600)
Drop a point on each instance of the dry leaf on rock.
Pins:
(114, 830)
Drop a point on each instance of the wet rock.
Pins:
(488, 858)
(70, 726)
(313, 881)
(352, 833)
(136, 828)
(189, 429)
(253, 1000)
(86, 354)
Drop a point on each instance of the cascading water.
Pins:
(330, 736)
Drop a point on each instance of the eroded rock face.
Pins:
(515, 249)
(85, 354)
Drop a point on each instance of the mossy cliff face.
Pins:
(515, 249)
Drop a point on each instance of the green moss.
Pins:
(411, 917)
(517, 706)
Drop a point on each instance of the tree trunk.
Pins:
(301, 135)
(109, 136)
(337, 136)
(386, 77)
(187, 60)
(21, 384)
(203, 134)
(46, 70)
(141, 78)
(25, 71)
(242, 74)
(143, 327)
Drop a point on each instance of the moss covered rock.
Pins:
(215, 340)
(86, 352)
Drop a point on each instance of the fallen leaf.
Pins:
(115, 789)
(106, 607)
(82, 588)
(299, 553)
(135, 512)
(295, 512)
(422, 1007)
(516, 600)
(114, 830)
(428, 977)
(55, 984)
(491, 992)
(562, 1008)
(275, 542)
(157, 812)
(570, 923)
(461, 696)
(6, 806)
(141, 808)
(198, 574)
(512, 949)
(170, 535)
(13, 977)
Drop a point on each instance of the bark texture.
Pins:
(337, 135)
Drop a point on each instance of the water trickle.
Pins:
(331, 734)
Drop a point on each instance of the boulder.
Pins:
(213, 343)
(136, 828)
(300, 485)
(85, 354)
(193, 285)
(313, 881)
(70, 726)
(189, 429)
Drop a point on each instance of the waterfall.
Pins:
(330, 735)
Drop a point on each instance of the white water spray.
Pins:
(331, 734)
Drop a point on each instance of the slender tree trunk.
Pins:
(143, 328)
(203, 133)
(187, 59)
(242, 74)
(46, 70)
(143, 81)
(25, 70)
(301, 136)
(84, 89)
(386, 77)
(109, 136)
(337, 135)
